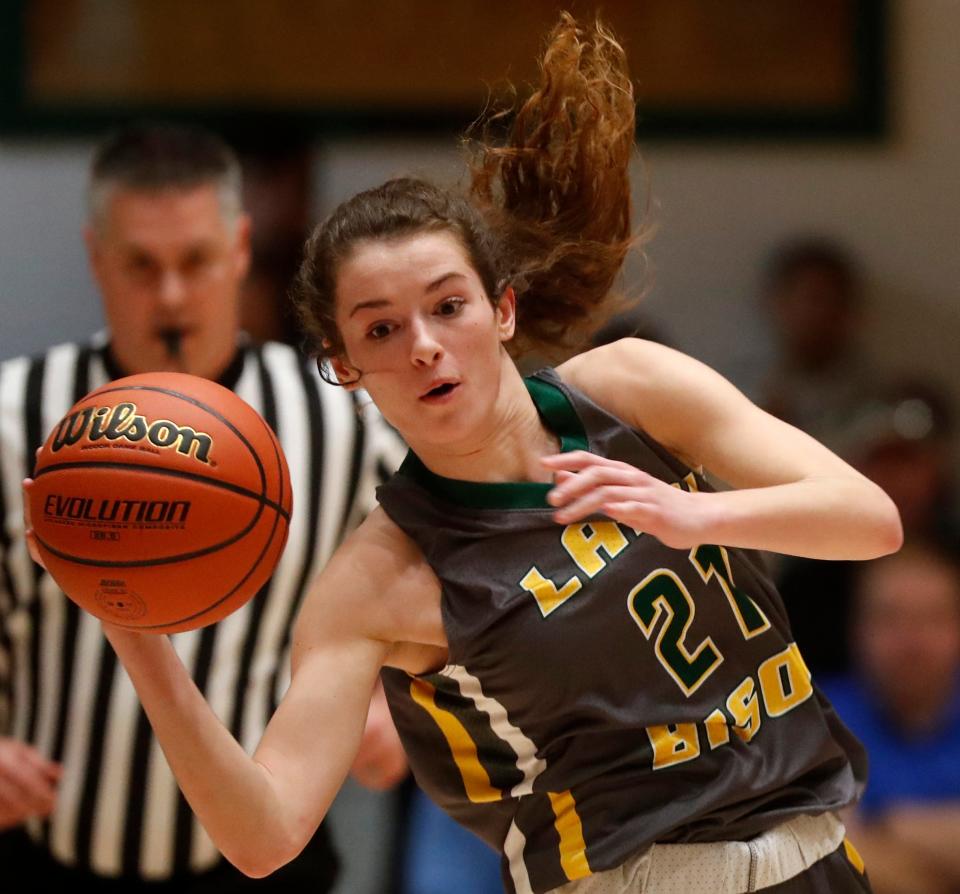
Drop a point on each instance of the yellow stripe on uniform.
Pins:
(476, 782)
(573, 849)
(853, 855)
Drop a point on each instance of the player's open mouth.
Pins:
(439, 392)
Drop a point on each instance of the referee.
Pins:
(85, 792)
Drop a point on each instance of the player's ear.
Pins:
(347, 374)
(506, 312)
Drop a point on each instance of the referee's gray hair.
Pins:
(160, 157)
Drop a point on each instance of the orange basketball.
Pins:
(161, 502)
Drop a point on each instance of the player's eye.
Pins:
(379, 331)
(450, 307)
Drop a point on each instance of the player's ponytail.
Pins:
(558, 189)
(549, 208)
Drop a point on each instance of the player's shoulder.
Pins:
(379, 532)
(616, 376)
(644, 381)
(381, 578)
(637, 359)
(387, 555)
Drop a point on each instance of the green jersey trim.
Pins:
(561, 418)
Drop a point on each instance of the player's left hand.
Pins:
(588, 485)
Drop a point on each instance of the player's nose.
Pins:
(425, 349)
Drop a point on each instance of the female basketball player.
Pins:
(587, 666)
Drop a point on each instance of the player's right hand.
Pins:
(35, 555)
(28, 783)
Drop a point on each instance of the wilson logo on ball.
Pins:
(122, 422)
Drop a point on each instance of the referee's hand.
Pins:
(28, 783)
(381, 762)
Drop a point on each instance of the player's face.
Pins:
(169, 262)
(419, 326)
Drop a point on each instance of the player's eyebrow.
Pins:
(372, 303)
(440, 280)
(432, 286)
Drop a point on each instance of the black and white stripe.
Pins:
(119, 809)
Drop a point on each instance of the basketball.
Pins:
(161, 502)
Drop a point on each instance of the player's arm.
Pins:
(261, 811)
(793, 495)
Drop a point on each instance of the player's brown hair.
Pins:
(548, 210)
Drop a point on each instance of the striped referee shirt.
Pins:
(119, 810)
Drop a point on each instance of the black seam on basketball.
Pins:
(222, 599)
(250, 571)
(202, 406)
(173, 473)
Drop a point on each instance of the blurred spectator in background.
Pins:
(901, 437)
(439, 856)
(278, 195)
(813, 292)
(903, 701)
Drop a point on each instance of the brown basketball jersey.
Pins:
(603, 691)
